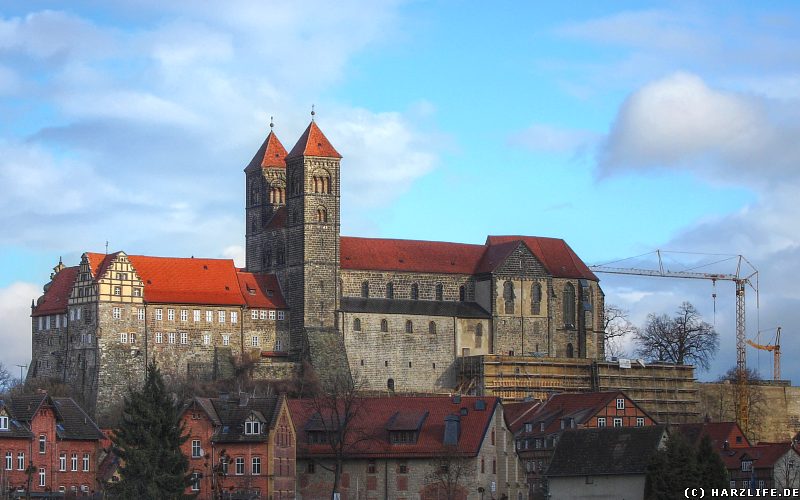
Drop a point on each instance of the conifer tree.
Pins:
(148, 443)
(710, 467)
(672, 470)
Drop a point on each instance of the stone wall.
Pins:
(48, 346)
(402, 281)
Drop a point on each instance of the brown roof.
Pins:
(763, 456)
(719, 432)
(516, 414)
(313, 143)
(55, 298)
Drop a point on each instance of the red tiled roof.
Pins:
(458, 258)
(260, 290)
(271, 154)
(54, 300)
(376, 414)
(516, 414)
(719, 432)
(408, 255)
(99, 262)
(554, 253)
(313, 143)
(580, 406)
(763, 456)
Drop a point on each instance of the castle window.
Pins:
(158, 314)
(171, 314)
(390, 290)
(390, 384)
(254, 341)
(117, 290)
(570, 351)
(140, 313)
(278, 346)
(478, 335)
(439, 292)
(414, 291)
(221, 316)
(357, 325)
(432, 328)
(508, 297)
(137, 292)
(184, 315)
(409, 326)
(569, 306)
(536, 298)
(184, 338)
(209, 316)
(272, 315)
(365, 289)
(196, 315)
(322, 215)
(116, 312)
(254, 314)
(281, 315)
(123, 338)
(462, 293)
(226, 340)
(159, 337)
(171, 337)
(234, 317)
(206, 339)
(384, 325)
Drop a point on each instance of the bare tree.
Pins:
(684, 338)
(786, 471)
(6, 380)
(617, 327)
(451, 475)
(336, 409)
(724, 406)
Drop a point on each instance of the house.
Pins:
(409, 447)
(539, 430)
(723, 435)
(603, 463)
(241, 447)
(765, 465)
(49, 444)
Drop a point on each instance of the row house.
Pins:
(539, 425)
(240, 447)
(98, 324)
(409, 448)
(48, 444)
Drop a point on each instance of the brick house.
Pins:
(605, 462)
(49, 443)
(240, 446)
(397, 447)
(538, 431)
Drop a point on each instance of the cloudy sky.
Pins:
(621, 129)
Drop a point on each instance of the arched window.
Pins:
(414, 291)
(357, 325)
(479, 335)
(570, 351)
(390, 384)
(536, 298)
(569, 306)
(365, 289)
(390, 290)
(322, 215)
(409, 326)
(439, 292)
(508, 297)
(432, 328)
(462, 293)
(384, 325)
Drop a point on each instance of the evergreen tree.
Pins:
(672, 470)
(710, 467)
(148, 443)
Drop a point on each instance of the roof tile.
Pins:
(313, 143)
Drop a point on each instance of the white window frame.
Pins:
(278, 346)
(281, 315)
(255, 468)
(239, 466)
(140, 313)
(47, 322)
(195, 481)
(159, 314)
(271, 315)
(620, 403)
(132, 338)
(196, 315)
(184, 338)
(123, 337)
(74, 459)
(9, 460)
(639, 421)
(252, 427)
(116, 312)
(42, 477)
(159, 337)
(58, 321)
(117, 290)
(62, 462)
(170, 314)
(3, 423)
(206, 339)
(42, 444)
(21, 460)
(41, 322)
(601, 421)
(262, 314)
(184, 315)
(86, 462)
(221, 316)
(226, 340)
(209, 316)
(253, 315)
(234, 317)
(171, 337)
(747, 465)
(617, 422)
(254, 341)
(196, 449)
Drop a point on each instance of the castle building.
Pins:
(400, 313)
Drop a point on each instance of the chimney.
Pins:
(452, 430)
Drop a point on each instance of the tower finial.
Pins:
(271, 123)
(312, 113)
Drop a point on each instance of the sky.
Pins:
(622, 128)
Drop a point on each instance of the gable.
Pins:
(520, 262)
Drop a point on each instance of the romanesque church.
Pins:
(403, 314)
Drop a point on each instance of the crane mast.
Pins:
(742, 278)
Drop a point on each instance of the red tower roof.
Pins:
(271, 154)
(313, 143)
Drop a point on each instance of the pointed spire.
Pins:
(271, 154)
(313, 143)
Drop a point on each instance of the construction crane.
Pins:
(776, 353)
(746, 275)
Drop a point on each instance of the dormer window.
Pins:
(3, 423)
(403, 437)
(252, 426)
(528, 427)
(747, 465)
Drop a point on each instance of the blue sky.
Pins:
(621, 128)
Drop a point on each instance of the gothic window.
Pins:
(322, 183)
(409, 326)
(478, 335)
(569, 305)
(322, 215)
(570, 351)
(414, 291)
(439, 292)
(462, 293)
(384, 325)
(432, 328)
(357, 325)
(508, 297)
(365, 289)
(390, 384)
(390, 290)
(536, 298)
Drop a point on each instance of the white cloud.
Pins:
(553, 139)
(15, 324)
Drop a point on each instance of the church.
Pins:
(402, 314)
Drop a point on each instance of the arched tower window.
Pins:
(365, 289)
(479, 335)
(409, 326)
(508, 297)
(322, 215)
(390, 384)
(570, 351)
(322, 183)
(414, 291)
(390, 290)
(569, 305)
(357, 325)
(536, 298)
(432, 328)
(384, 325)
(439, 292)
(462, 293)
